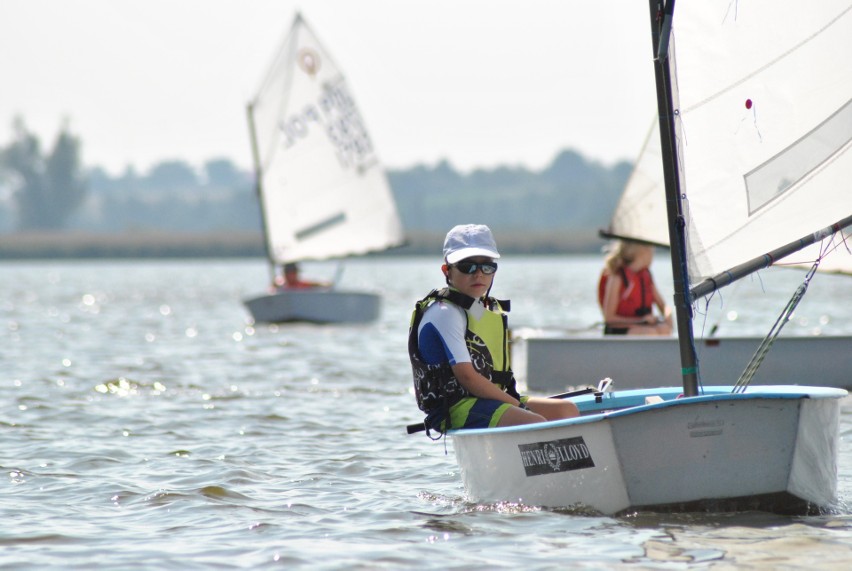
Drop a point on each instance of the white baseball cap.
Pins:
(467, 240)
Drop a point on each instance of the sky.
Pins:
(479, 83)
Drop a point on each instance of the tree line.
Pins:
(45, 187)
(51, 190)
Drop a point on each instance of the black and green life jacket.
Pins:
(487, 338)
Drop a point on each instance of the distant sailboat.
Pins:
(322, 190)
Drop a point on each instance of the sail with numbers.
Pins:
(323, 192)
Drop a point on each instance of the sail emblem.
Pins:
(309, 61)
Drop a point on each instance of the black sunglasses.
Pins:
(470, 268)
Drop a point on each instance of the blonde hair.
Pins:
(622, 254)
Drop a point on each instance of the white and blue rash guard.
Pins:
(441, 334)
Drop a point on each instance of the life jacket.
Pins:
(487, 339)
(637, 292)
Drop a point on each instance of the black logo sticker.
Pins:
(555, 456)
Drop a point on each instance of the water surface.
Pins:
(147, 424)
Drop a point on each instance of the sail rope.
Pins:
(786, 314)
(705, 312)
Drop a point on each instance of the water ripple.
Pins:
(146, 425)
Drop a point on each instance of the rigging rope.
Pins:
(745, 378)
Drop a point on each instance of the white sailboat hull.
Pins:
(552, 363)
(315, 306)
(772, 448)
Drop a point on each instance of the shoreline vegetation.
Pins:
(177, 211)
(91, 245)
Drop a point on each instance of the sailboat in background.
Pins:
(722, 447)
(322, 190)
(552, 361)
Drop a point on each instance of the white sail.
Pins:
(764, 124)
(764, 127)
(641, 211)
(324, 193)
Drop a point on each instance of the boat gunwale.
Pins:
(673, 397)
(325, 291)
(545, 336)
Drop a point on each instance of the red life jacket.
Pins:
(637, 292)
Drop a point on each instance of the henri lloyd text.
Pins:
(555, 456)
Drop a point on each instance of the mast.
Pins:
(258, 188)
(661, 20)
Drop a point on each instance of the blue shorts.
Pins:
(471, 412)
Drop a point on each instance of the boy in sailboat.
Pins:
(459, 345)
(292, 280)
(627, 294)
